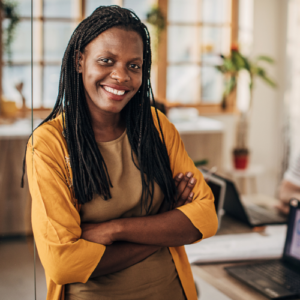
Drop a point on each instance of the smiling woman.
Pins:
(114, 194)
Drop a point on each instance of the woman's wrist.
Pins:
(118, 229)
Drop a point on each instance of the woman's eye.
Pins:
(134, 66)
(106, 60)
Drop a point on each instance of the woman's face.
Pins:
(111, 67)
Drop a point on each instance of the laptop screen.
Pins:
(292, 246)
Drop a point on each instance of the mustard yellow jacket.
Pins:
(66, 257)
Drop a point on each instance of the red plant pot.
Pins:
(241, 161)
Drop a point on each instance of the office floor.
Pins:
(16, 271)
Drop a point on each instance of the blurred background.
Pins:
(226, 72)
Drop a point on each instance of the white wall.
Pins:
(265, 136)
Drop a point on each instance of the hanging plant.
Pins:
(157, 20)
(9, 11)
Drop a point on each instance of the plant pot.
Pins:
(240, 158)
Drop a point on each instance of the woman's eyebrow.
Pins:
(137, 58)
(107, 52)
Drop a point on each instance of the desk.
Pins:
(215, 275)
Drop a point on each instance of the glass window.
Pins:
(51, 81)
(24, 8)
(183, 11)
(60, 8)
(21, 46)
(211, 85)
(91, 5)
(216, 40)
(13, 75)
(56, 38)
(198, 32)
(140, 7)
(216, 11)
(186, 49)
(183, 83)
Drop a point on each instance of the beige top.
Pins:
(153, 278)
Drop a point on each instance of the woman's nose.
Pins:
(120, 74)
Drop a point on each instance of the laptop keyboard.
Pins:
(278, 273)
(260, 214)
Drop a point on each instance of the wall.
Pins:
(265, 135)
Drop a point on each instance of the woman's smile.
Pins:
(115, 92)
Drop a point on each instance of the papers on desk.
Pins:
(237, 247)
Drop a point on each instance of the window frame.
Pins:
(163, 64)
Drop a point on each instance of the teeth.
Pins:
(113, 91)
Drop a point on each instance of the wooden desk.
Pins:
(215, 275)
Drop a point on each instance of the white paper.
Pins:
(237, 247)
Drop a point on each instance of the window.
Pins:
(197, 32)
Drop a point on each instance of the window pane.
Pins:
(183, 84)
(24, 8)
(140, 7)
(21, 46)
(51, 80)
(57, 36)
(60, 8)
(186, 49)
(216, 11)
(216, 40)
(211, 85)
(91, 5)
(13, 75)
(246, 26)
(183, 11)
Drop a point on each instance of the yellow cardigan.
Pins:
(66, 257)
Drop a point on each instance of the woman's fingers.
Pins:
(188, 189)
(190, 198)
(183, 182)
(178, 178)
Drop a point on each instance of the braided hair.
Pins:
(90, 174)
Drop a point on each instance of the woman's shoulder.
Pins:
(168, 129)
(157, 115)
(49, 137)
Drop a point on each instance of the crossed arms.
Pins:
(130, 240)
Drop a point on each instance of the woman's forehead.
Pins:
(117, 39)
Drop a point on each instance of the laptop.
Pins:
(251, 214)
(277, 279)
(218, 188)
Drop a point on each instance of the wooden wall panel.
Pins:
(14, 202)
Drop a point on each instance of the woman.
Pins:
(104, 221)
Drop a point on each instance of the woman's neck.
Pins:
(108, 127)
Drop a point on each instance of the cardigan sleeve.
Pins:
(65, 257)
(201, 211)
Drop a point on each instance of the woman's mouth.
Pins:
(117, 93)
(113, 91)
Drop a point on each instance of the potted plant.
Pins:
(232, 67)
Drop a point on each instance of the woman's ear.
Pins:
(78, 61)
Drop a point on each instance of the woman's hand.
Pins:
(185, 184)
(101, 233)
